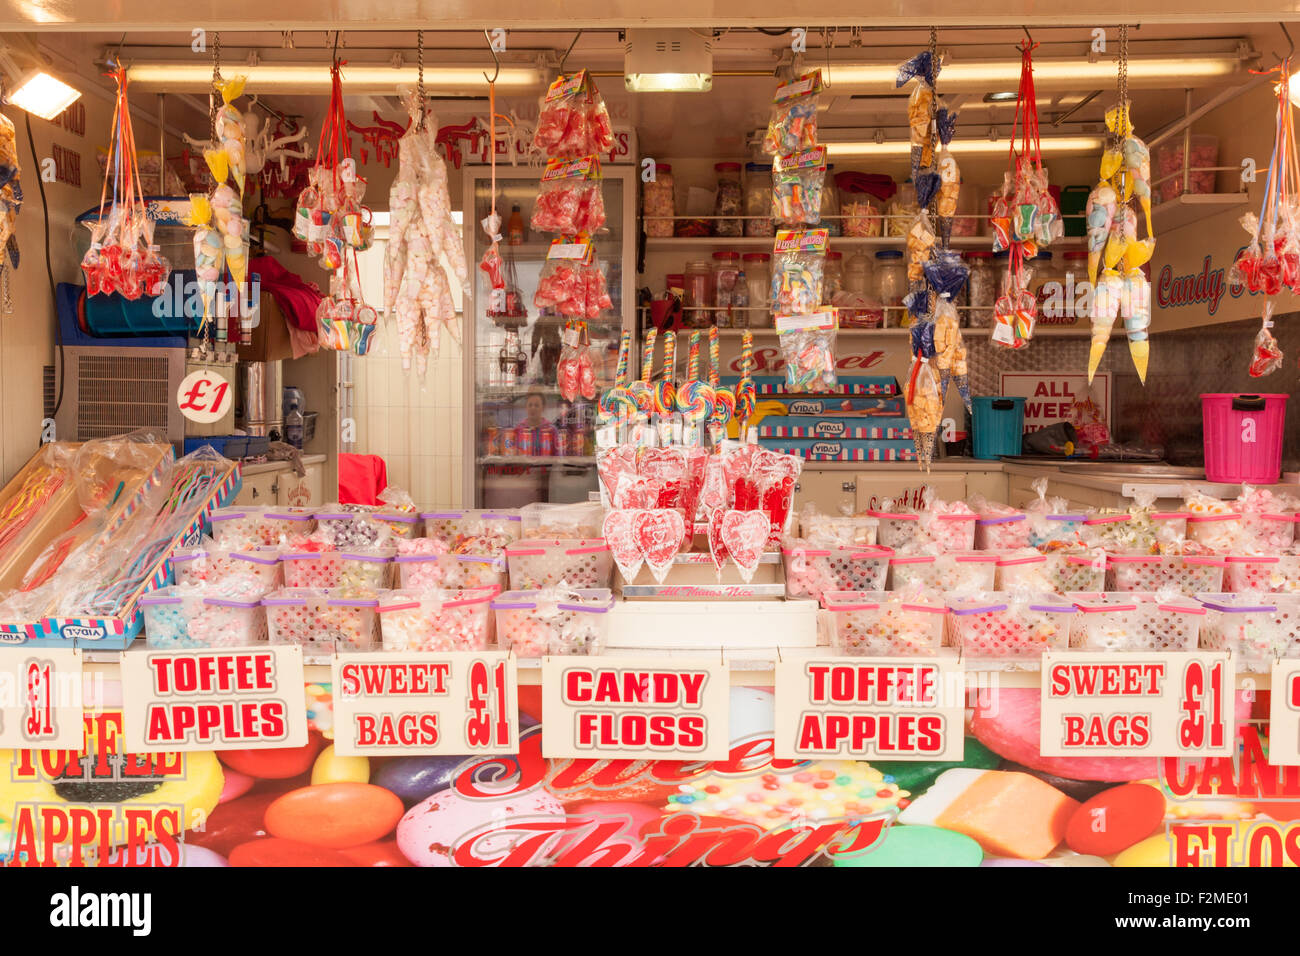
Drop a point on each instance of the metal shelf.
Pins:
(1193, 207)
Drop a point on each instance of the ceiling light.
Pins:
(962, 147)
(668, 61)
(315, 77)
(977, 76)
(1005, 96)
(43, 95)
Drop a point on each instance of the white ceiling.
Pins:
(715, 123)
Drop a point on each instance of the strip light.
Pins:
(963, 147)
(314, 78)
(978, 76)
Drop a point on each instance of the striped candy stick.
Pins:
(724, 399)
(640, 388)
(665, 393)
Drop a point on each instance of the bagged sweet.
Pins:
(793, 124)
(797, 181)
(573, 121)
(809, 351)
(1052, 524)
(798, 267)
(570, 200)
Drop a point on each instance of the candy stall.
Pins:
(673, 444)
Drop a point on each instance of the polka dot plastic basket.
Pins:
(964, 572)
(1008, 626)
(1269, 573)
(1135, 622)
(1058, 571)
(414, 620)
(321, 621)
(425, 571)
(897, 529)
(1257, 628)
(216, 565)
(581, 519)
(1002, 532)
(811, 572)
(177, 618)
(883, 624)
(449, 526)
(252, 527)
(843, 530)
(536, 623)
(1185, 573)
(337, 569)
(572, 563)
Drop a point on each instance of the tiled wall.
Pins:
(1187, 362)
(413, 422)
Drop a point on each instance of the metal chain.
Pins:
(1123, 65)
(8, 291)
(216, 82)
(419, 83)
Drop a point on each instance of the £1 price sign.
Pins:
(1284, 715)
(426, 704)
(1137, 704)
(204, 396)
(41, 699)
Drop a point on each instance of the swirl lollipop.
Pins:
(724, 399)
(619, 401)
(665, 393)
(746, 392)
(695, 398)
(641, 389)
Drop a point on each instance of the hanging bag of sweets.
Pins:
(570, 199)
(792, 127)
(122, 257)
(1025, 217)
(1112, 227)
(337, 226)
(573, 121)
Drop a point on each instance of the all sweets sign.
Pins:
(391, 704)
(1137, 705)
(239, 699)
(870, 709)
(634, 708)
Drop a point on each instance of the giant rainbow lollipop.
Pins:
(618, 401)
(724, 399)
(665, 393)
(695, 397)
(746, 392)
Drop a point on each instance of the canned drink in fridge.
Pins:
(491, 440)
(577, 439)
(508, 446)
(524, 440)
(546, 443)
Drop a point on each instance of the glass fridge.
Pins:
(525, 442)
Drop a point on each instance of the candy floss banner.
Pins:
(1001, 804)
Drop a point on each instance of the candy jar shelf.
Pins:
(1191, 208)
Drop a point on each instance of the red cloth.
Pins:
(361, 479)
(296, 297)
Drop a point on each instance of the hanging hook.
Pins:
(495, 59)
(568, 51)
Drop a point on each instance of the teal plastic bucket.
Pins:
(999, 421)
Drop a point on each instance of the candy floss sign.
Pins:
(634, 708)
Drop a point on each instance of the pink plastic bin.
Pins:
(1243, 436)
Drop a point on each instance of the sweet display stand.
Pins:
(117, 632)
